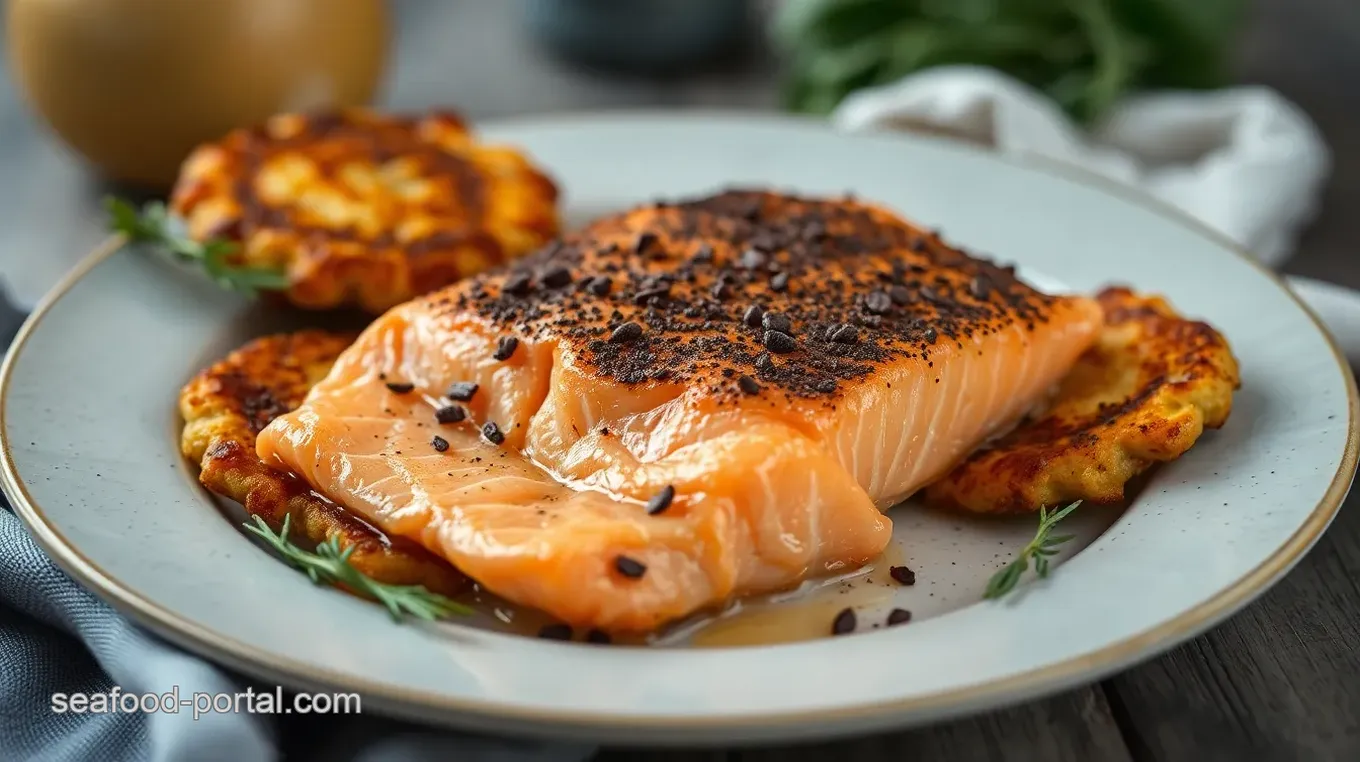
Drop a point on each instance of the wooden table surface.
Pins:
(1280, 681)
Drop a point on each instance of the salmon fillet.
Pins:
(681, 403)
(224, 408)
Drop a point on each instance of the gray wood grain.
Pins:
(667, 755)
(1074, 727)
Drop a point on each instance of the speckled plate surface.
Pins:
(90, 462)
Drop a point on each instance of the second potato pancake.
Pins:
(1144, 392)
(363, 209)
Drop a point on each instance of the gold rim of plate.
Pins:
(951, 702)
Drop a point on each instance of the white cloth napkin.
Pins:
(1243, 160)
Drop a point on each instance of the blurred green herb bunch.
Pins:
(1084, 54)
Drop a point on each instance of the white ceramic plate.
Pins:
(90, 462)
(1337, 307)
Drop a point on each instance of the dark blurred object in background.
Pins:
(134, 85)
(640, 36)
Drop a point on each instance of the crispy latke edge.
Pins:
(229, 467)
(1039, 472)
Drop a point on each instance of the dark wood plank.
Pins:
(1076, 726)
(667, 755)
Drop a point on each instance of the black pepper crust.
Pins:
(682, 293)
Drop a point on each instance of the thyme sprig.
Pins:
(330, 565)
(153, 225)
(1040, 549)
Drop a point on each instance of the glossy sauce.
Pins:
(804, 613)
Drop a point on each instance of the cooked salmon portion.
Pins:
(681, 403)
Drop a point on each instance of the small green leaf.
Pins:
(1060, 515)
(329, 564)
(1041, 548)
(154, 226)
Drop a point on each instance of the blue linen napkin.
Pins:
(55, 637)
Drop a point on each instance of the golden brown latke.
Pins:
(1143, 393)
(365, 209)
(227, 405)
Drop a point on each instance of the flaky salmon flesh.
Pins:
(680, 404)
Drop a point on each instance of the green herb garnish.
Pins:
(1084, 54)
(1040, 548)
(154, 225)
(330, 565)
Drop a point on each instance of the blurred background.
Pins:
(113, 91)
(100, 96)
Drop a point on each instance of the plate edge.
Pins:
(670, 729)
